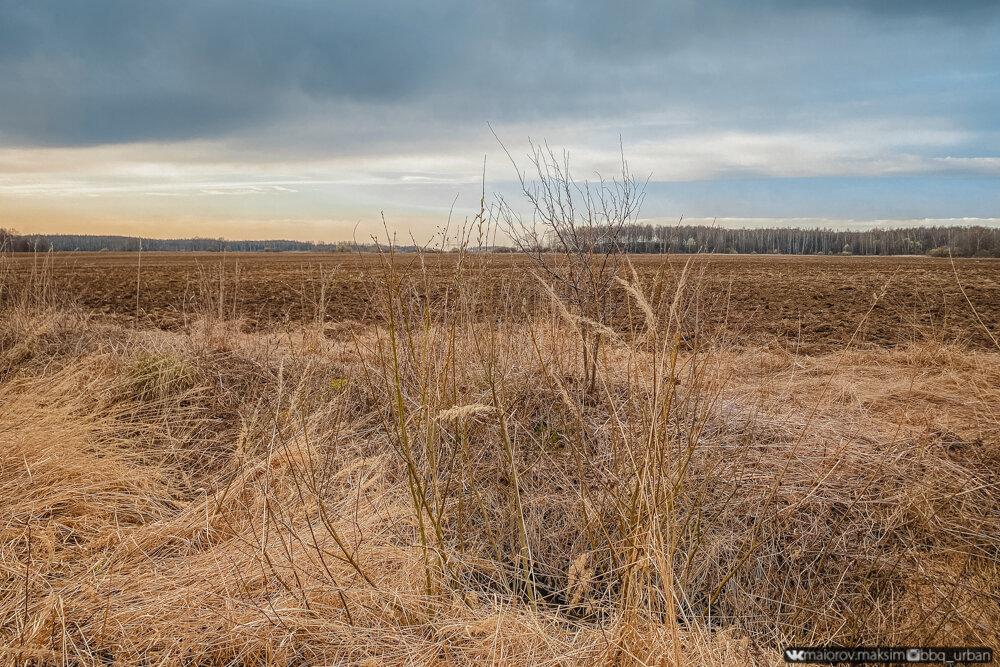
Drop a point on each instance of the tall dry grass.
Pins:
(445, 489)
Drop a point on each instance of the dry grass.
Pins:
(441, 489)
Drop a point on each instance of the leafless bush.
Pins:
(574, 236)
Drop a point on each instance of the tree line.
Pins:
(969, 241)
(12, 242)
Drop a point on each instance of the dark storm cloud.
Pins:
(120, 71)
(105, 71)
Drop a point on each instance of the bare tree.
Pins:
(574, 236)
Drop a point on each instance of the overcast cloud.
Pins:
(332, 110)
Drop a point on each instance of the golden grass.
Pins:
(442, 489)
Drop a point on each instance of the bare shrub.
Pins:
(574, 236)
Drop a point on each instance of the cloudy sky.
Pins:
(303, 119)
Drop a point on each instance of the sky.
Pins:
(310, 120)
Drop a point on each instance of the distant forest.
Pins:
(972, 241)
(85, 242)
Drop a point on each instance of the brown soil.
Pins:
(814, 304)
